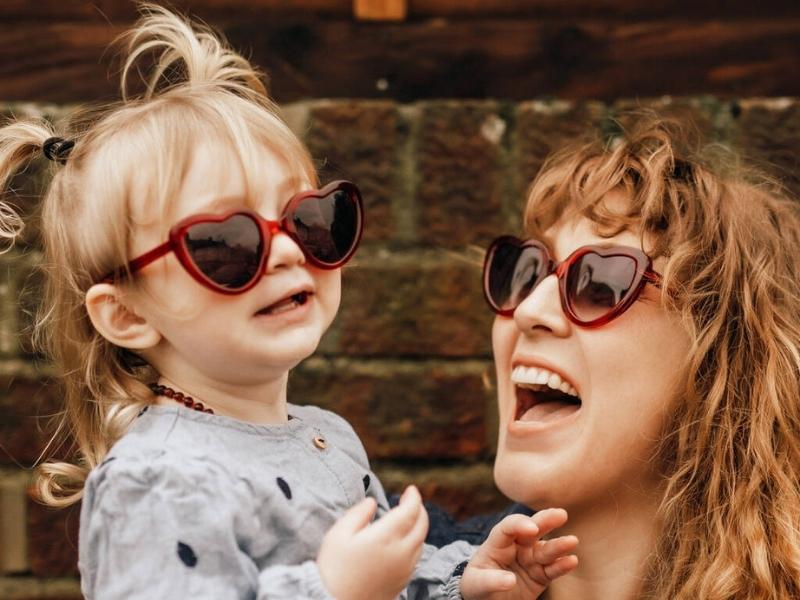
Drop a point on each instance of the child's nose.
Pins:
(283, 252)
(542, 309)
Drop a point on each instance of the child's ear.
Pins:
(116, 320)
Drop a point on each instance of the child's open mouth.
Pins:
(542, 396)
(287, 304)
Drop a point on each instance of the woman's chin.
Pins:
(528, 484)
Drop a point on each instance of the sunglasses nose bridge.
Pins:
(273, 227)
(288, 249)
(560, 269)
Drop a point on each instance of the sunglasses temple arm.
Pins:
(651, 276)
(138, 263)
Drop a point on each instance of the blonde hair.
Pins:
(730, 510)
(197, 90)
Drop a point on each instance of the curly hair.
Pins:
(131, 155)
(730, 453)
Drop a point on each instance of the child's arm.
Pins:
(515, 562)
(160, 526)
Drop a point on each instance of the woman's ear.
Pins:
(116, 320)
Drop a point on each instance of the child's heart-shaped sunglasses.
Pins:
(228, 253)
(596, 283)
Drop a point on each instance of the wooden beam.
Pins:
(14, 549)
(499, 58)
(115, 11)
(380, 10)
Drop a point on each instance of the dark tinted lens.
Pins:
(596, 284)
(328, 227)
(228, 253)
(513, 271)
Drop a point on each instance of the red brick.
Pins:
(543, 127)
(413, 305)
(460, 152)
(31, 588)
(709, 114)
(53, 540)
(358, 141)
(768, 132)
(27, 407)
(400, 410)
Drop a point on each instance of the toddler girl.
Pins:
(192, 260)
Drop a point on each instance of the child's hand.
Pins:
(359, 559)
(514, 562)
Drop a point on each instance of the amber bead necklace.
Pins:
(187, 401)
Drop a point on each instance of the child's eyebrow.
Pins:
(219, 203)
(286, 189)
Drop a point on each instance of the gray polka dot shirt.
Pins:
(193, 505)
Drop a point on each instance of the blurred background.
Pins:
(442, 111)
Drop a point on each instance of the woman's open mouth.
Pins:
(542, 396)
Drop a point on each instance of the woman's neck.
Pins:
(616, 543)
(262, 403)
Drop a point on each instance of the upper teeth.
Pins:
(528, 376)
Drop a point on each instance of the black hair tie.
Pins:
(57, 149)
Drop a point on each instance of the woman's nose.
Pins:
(541, 309)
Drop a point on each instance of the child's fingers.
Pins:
(357, 517)
(560, 567)
(549, 519)
(401, 519)
(548, 551)
(513, 529)
(420, 529)
(419, 547)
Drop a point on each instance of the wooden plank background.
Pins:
(55, 50)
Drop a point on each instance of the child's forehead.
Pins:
(216, 178)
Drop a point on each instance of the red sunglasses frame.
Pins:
(267, 228)
(644, 274)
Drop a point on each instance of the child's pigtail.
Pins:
(20, 142)
(186, 54)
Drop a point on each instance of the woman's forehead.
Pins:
(574, 227)
(566, 235)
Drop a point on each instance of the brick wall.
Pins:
(408, 359)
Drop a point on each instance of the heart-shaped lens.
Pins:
(227, 252)
(328, 227)
(597, 284)
(513, 270)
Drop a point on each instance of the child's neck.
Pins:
(263, 403)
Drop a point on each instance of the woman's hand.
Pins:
(514, 562)
(359, 559)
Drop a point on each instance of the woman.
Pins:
(647, 349)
